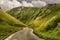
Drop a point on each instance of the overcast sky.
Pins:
(51, 1)
(9, 4)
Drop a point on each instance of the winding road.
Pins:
(25, 34)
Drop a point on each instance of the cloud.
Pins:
(26, 4)
(33, 3)
(38, 3)
(51, 1)
(9, 4)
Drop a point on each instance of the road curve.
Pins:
(25, 34)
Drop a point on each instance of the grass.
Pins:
(45, 21)
(6, 30)
(5, 16)
(9, 25)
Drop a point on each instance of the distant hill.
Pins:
(8, 24)
(45, 21)
(9, 19)
(24, 14)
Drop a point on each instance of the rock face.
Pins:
(25, 34)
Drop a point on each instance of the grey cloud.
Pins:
(9, 4)
(51, 1)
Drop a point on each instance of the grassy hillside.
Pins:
(24, 14)
(10, 19)
(8, 24)
(45, 21)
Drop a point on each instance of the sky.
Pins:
(9, 4)
(51, 1)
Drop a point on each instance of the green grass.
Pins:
(9, 25)
(8, 18)
(6, 30)
(45, 21)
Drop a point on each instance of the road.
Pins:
(25, 34)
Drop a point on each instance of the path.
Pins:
(25, 34)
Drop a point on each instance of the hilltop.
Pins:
(45, 21)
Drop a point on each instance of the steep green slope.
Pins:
(8, 25)
(8, 18)
(24, 14)
(45, 21)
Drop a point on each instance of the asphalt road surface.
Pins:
(25, 34)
